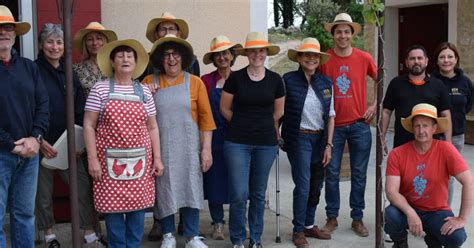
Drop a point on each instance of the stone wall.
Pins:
(465, 35)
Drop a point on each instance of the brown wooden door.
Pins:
(423, 25)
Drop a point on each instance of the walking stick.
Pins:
(277, 171)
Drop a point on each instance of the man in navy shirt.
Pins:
(23, 122)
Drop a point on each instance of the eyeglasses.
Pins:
(222, 54)
(7, 27)
(167, 29)
(175, 54)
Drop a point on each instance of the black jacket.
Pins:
(23, 101)
(55, 83)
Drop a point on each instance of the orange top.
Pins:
(200, 107)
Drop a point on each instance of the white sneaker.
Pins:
(195, 242)
(168, 241)
(238, 246)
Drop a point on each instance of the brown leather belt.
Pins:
(307, 131)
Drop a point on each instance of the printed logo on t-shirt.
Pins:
(419, 182)
(342, 82)
(455, 92)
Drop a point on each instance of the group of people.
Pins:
(159, 136)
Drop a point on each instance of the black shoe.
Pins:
(53, 244)
(403, 243)
(155, 232)
(432, 241)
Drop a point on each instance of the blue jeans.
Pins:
(396, 225)
(359, 138)
(248, 169)
(190, 221)
(217, 213)
(307, 153)
(125, 229)
(458, 142)
(18, 182)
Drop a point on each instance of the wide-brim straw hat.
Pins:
(103, 57)
(172, 38)
(425, 110)
(166, 17)
(258, 40)
(343, 18)
(308, 45)
(92, 27)
(218, 44)
(6, 17)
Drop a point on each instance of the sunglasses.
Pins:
(7, 27)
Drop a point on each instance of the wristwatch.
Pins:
(39, 139)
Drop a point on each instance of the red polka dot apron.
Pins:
(125, 155)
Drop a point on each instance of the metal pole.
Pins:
(379, 150)
(71, 141)
(277, 171)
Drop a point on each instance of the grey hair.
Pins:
(50, 29)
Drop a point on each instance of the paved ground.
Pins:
(342, 237)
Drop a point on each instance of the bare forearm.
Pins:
(89, 139)
(155, 140)
(399, 201)
(206, 139)
(227, 114)
(330, 128)
(467, 200)
(386, 114)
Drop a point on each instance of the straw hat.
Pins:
(219, 44)
(6, 17)
(166, 16)
(308, 45)
(425, 110)
(92, 27)
(103, 59)
(258, 40)
(343, 18)
(174, 39)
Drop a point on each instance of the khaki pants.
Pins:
(44, 196)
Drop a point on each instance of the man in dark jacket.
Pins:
(23, 122)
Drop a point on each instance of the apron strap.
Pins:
(138, 90)
(111, 85)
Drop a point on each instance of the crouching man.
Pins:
(417, 184)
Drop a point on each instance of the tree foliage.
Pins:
(315, 13)
(286, 10)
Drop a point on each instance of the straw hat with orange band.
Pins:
(6, 17)
(166, 17)
(258, 40)
(78, 41)
(428, 110)
(308, 45)
(219, 44)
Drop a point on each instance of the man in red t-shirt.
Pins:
(348, 68)
(416, 185)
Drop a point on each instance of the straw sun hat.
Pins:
(258, 40)
(92, 27)
(218, 44)
(103, 59)
(166, 16)
(425, 110)
(310, 45)
(343, 18)
(6, 17)
(172, 38)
